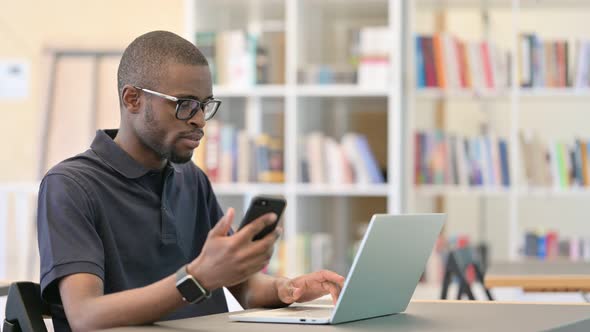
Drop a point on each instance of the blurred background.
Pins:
(478, 109)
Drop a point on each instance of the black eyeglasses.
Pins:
(186, 108)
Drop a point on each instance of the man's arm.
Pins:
(262, 290)
(88, 309)
(224, 260)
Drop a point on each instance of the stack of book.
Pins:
(553, 63)
(230, 155)
(444, 61)
(442, 159)
(556, 164)
(237, 58)
(373, 63)
(367, 61)
(549, 245)
(324, 160)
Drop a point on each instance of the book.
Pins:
(205, 42)
(551, 245)
(212, 150)
(449, 159)
(238, 58)
(373, 67)
(555, 63)
(233, 155)
(420, 67)
(325, 160)
(447, 62)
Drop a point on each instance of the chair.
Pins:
(25, 308)
(458, 262)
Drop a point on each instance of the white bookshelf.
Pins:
(292, 15)
(514, 103)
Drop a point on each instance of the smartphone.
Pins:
(261, 205)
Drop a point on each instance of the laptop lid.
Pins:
(388, 265)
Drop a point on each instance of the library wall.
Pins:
(552, 118)
(90, 25)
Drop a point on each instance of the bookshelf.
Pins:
(322, 92)
(318, 95)
(503, 213)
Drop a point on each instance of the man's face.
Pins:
(159, 129)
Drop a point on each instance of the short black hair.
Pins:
(143, 61)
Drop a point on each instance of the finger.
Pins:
(332, 277)
(224, 224)
(289, 294)
(257, 252)
(296, 294)
(249, 231)
(264, 246)
(333, 289)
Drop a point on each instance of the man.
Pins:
(130, 227)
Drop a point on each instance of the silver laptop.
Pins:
(382, 279)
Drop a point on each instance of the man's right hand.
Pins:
(230, 260)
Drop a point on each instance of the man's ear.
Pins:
(130, 97)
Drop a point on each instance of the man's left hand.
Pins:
(310, 286)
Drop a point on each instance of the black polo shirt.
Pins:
(101, 212)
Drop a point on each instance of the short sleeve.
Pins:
(68, 240)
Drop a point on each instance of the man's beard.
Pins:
(157, 145)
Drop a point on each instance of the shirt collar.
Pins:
(112, 154)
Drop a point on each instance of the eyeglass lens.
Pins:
(188, 108)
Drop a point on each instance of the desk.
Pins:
(420, 316)
(555, 276)
(4, 286)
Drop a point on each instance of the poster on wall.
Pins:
(14, 79)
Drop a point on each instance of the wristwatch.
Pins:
(190, 289)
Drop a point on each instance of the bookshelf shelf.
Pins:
(527, 93)
(433, 93)
(428, 190)
(358, 190)
(547, 4)
(250, 91)
(434, 190)
(343, 90)
(229, 189)
(554, 93)
(554, 192)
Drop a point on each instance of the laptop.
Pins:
(382, 279)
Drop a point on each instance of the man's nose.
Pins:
(198, 120)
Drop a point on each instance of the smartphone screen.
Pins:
(261, 205)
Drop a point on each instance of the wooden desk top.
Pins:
(420, 316)
(540, 275)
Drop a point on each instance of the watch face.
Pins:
(189, 290)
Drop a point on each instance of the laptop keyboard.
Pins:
(303, 312)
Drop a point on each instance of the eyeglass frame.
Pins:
(179, 101)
